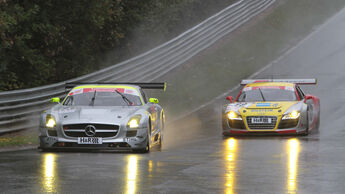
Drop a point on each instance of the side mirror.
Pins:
(229, 98)
(307, 97)
(55, 100)
(154, 100)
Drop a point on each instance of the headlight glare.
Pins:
(232, 115)
(50, 121)
(292, 115)
(134, 122)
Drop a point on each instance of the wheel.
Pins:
(160, 146)
(143, 150)
(318, 122)
(307, 131)
(147, 148)
(44, 150)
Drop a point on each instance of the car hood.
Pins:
(261, 108)
(86, 114)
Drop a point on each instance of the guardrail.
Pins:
(20, 109)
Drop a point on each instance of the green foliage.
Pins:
(46, 41)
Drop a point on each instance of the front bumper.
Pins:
(120, 141)
(229, 132)
(281, 127)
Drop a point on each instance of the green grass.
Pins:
(242, 53)
(18, 140)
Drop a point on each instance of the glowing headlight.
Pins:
(134, 122)
(233, 116)
(292, 115)
(50, 121)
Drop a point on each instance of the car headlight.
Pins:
(232, 115)
(292, 115)
(50, 121)
(134, 122)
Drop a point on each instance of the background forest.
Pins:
(47, 41)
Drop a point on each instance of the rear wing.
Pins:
(161, 85)
(294, 81)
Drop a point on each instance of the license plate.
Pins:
(89, 140)
(259, 120)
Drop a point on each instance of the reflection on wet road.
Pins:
(132, 166)
(293, 151)
(49, 173)
(230, 164)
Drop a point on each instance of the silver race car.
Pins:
(104, 116)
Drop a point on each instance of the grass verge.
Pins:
(18, 139)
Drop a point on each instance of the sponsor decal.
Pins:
(263, 104)
(153, 109)
(75, 91)
(51, 140)
(275, 105)
(289, 88)
(129, 91)
(247, 89)
(237, 106)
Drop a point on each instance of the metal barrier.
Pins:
(20, 109)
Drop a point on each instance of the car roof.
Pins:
(259, 84)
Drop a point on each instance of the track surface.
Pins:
(197, 159)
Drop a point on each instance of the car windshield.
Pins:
(267, 94)
(103, 97)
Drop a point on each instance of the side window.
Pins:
(143, 95)
(300, 93)
(68, 101)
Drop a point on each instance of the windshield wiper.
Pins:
(129, 103)
(262, 95)
(93, 99)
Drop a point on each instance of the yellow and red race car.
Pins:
(273, 106)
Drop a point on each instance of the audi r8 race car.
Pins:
(104, 116)
(275, 106)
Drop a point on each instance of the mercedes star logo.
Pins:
(90, 130)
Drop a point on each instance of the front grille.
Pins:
(98, 126)
(288, 123)
(236, 124)
(102, 130)
(261, 126)
(83, 134)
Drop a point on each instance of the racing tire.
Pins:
(147, 147)
(144, 150)
(318, 122)
(307, 130)
(160, 146)
(45, 150)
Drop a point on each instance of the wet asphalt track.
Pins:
(197, 159)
